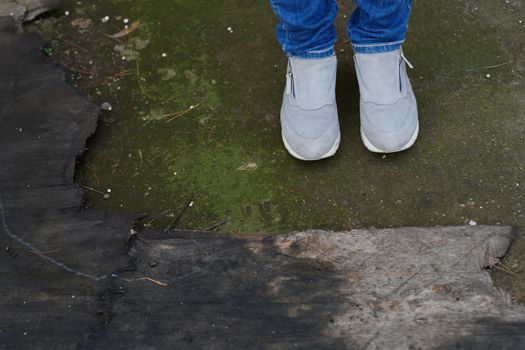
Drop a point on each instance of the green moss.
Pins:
(465, 165)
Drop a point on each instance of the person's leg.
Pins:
(379, 25)
(309, 121)
(388, 108)
(306, 28)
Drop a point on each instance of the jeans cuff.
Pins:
(377, 48)
(313, 54)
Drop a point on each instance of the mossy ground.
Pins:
(226, 155)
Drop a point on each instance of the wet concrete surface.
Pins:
(224, 156)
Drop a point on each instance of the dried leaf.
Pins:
(126, 31)
(250, 166)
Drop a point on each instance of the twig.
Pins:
(158, 216)
(162, 284)
(142, 89)
(179, 114)
(94, 174)
(490, 67)
(217, 225)
(92, 189)
(75, 45)
(42, 254)
(141, 158)
(122, 74)
(104, 35)
(502, 264)
(176, 220)
(505, 270)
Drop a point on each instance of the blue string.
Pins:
(53, 261)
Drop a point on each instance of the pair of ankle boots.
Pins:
(388, 108)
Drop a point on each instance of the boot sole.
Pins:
(375, 149)
(330, 153)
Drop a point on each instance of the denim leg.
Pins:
(306, 27)
(379, 25)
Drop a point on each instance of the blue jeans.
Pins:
(306, 27)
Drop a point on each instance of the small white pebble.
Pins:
(126, 26)
(164, 55)
(125, 20)
(108, 190)
(104, 19)
(123, 58)
(191, 204)
(472, 223)
(487, 76)
(66, 13)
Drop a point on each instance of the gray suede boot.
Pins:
(388, 108)
(309, 121)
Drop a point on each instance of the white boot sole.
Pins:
(374, 149)
(330, 153)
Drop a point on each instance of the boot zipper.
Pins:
(403, 58)
(290, 89)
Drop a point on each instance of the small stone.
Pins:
(125, 20)
(153, 263)
(472, 223)
(66, 13)
(106, 106)
(164, 55)
(106, 196)
(487, 76)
